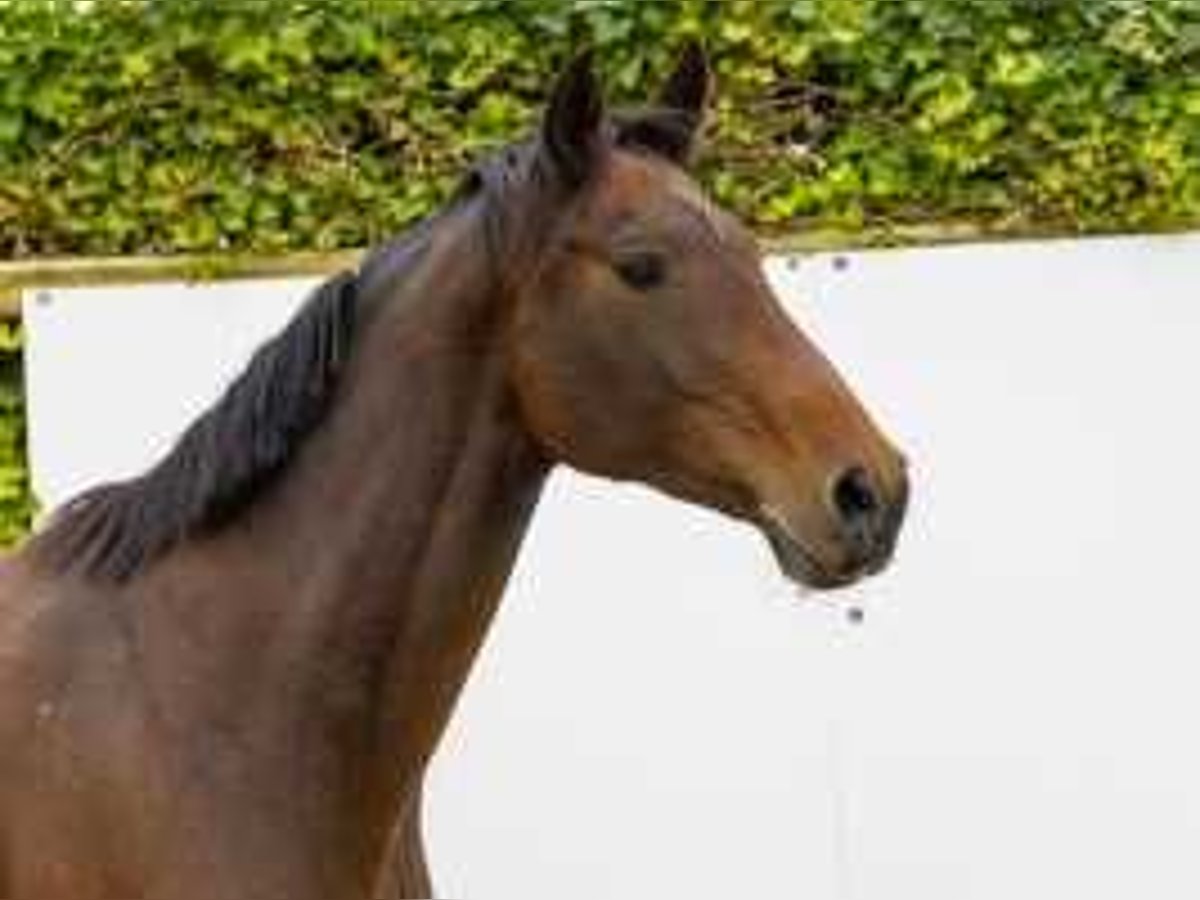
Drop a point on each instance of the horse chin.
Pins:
(801, 567)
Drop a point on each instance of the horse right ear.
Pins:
(572, 127)
(689, 87)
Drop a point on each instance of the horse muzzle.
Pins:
(863, 526)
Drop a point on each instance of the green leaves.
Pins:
(16, 500)
(173, 125)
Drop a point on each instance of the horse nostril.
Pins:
(854, 497)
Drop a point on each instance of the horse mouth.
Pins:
(797, 563)
(801, 566)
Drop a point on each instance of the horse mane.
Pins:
(226, 458)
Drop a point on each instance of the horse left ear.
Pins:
(571, 129)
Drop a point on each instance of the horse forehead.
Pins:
(635, 181)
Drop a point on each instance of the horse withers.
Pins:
(224, 679)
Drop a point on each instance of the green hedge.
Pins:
(16, 501)
(130, 127)
(272, 125)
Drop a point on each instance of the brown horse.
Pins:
(224, 679)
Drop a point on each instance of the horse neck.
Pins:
(363, 583)
(422, 491)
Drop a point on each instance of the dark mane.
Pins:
(225, 459)
(227, 455)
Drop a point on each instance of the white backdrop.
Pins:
(655, 713)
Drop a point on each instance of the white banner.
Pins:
(656, 715)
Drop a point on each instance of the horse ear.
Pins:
(688, 88)
(571, 129)
(672, 127)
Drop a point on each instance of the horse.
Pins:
(224, 679)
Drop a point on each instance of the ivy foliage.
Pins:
(16, 499)
(167, 126)
(272, 125)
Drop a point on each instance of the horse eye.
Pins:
(643, 270)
